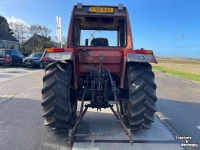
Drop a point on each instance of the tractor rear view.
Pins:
(100, 66)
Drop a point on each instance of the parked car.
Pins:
(34, 60)
(11, 57)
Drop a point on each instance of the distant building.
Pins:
(7, 40)
(37, 43)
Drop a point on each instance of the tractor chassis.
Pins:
(72, 135)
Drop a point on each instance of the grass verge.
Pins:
(178, 73)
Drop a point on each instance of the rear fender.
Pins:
(140, 55)
(62, 54)
(58, 54)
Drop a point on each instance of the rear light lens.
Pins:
(144, 51)
(7, 60)
(8, 57)
(52, 50)
(45, 59)
(153, 60)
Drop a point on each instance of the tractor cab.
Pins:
(99, 30)
(106, 26)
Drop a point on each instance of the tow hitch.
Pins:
(72, 135)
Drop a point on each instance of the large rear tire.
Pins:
(57, 106)
(141, 105)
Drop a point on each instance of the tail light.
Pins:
(8, 59)
(45, 59)
(153, 60)
(144, 51)
(139, 51)
(52, 50)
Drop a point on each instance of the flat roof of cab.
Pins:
(117, 10)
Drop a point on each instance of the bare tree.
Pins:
(32, 30)
(20, 30)
(45, 31)
(35, 29)
(64, 41)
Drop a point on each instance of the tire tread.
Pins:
(142, 96)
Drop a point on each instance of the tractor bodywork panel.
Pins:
(88, 59)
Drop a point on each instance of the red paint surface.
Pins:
(112, 59)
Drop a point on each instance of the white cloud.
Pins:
(14, 20)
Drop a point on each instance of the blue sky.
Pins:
(169, 27)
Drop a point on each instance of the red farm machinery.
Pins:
(100, 66)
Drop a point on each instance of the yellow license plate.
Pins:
(28, 63)
(101, 9)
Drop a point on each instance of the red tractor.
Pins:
(99, 65)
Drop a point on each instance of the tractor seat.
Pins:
(99, 42)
